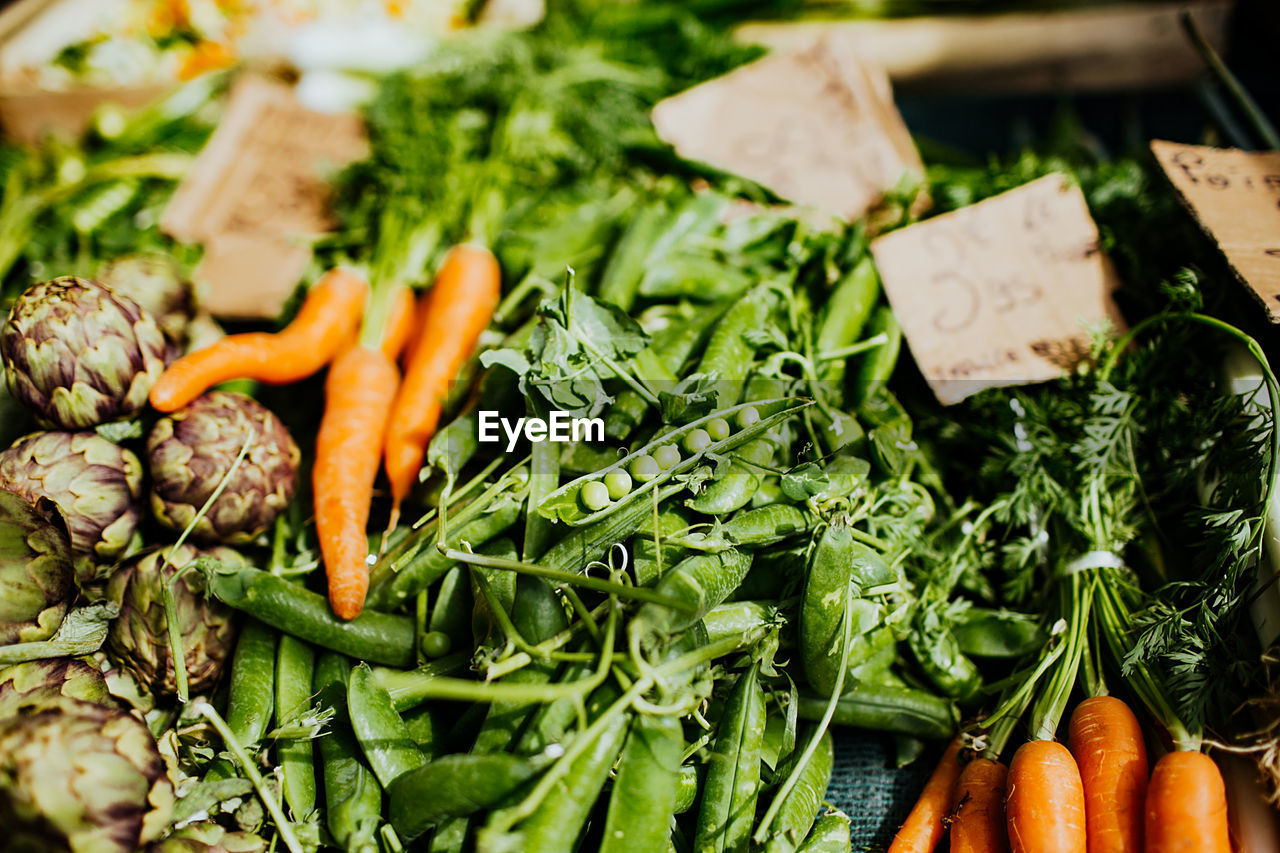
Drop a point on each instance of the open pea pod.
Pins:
(569, 503)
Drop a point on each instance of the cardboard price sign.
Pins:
(816, 126)
(1000, 293)
(1235, 195)
(257, 196)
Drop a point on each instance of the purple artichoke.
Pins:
(79, 355)
(190, 452)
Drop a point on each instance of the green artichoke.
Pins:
(96, 484)
(191, 451)
(37, 578)
(79, 355)
(139, 639)
(42, 684)
(156, 283)
(81, 778)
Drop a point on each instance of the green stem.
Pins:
(283, 827)
(1261, 124)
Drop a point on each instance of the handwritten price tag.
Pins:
(257, 195)
(1000, 293)
(1235, 195)
(816, 126)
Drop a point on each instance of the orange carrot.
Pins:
(401, 320)
(456, 310)
(1045, 806)
(322, 327)
(923, 829)
(1186, 808)
(977, 816)
(358, 395)
(1106, 742)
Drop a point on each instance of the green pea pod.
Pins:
(450, 836)
(566, 503)
(730, 351)
(453, 786)
(582, 457)
(582, 545)
(985, 633)
(701, 581)
(353, 799)
(625, 268)
(372, 636)
(538, 615)
(295, 670)
(452, 609)
(687, 785)
(733, 489)
(794, 819)
(898, 710)
(645, 564)
(253, 679)
(558, 821)
(738, 619)
(391, 586)
(382, 734)
(945, 665)
(672, 347)
(837, 560)
(768, 525)
(831, 833)
(502, 585)
(427, 729)
(544, 477)
(848, 308)
(733, 776)
(644, 793)
(878, 364)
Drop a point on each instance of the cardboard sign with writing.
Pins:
(257, 196)
(1235, 195)
(1000, 293)
(817, 126)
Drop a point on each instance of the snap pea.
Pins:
(388, 746)
(389, 588)
(900, 710)
(738, 619)
(702, 581)
(622, 273)
(581, 545)
(944, 664)
(502, 586)
(673, 347)
(798, 811)
(729, 351)
(453, 786)
(644, 793)
(848, 307)
(253, 671)
(831, 833)
(544, 476)
(538, 615)
(687, 785)
(733, 774)
(372, 636)
(426, 728)
(837, 560)
(733, 489)
(877, 366)
(556, 824)
(644, 560)
(768, 525)
(565, 503)
(451, 611)
(353, 800)
(295, 669)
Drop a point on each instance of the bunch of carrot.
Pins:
(371, 413)
(1093, 795)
